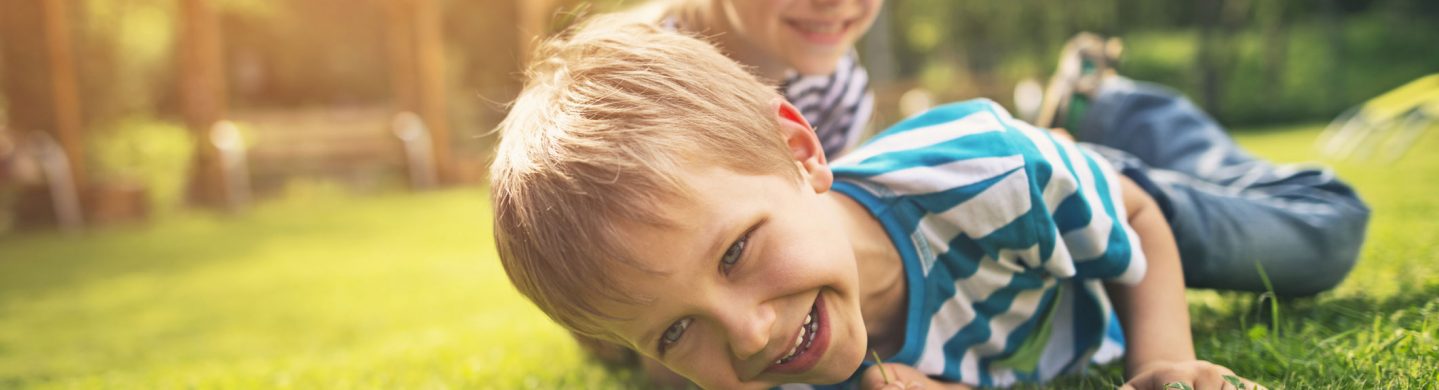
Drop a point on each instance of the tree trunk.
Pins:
(1275, 49)
(65, 94)
(430, 56)
(29, 106)
(534, 16)
(417, 68)
(1334, 33)
(40, 87)
(1207, 62)
(202, 97)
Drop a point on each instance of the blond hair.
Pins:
(611, 116)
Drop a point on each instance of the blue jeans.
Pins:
(1228, 209)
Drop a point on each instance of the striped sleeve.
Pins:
(1008, 191)
(1079, 218)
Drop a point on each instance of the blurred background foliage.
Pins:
(152, 154)
(1246, 61)
(1249, 62)
(323, 68)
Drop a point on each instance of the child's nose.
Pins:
(749, 331)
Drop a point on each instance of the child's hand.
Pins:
(1193, 374)
(901, 377)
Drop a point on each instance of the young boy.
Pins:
(650, 192)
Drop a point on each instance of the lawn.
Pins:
(325, 290)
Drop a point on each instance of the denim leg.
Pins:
(1228, 209)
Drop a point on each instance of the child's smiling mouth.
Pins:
(823, 32)
(810, 342)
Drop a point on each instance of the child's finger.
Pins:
(913, 385)
(874, 379)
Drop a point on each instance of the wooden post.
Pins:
(43, 103)
(417, 71)
(26, 81)
(430, 64)
(534, 16)
(64, 90)
(399, 39)
(202, 97)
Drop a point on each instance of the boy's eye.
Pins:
(674, 333)
(732, 255)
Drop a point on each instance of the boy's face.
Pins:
(809, 35)
(751, 259)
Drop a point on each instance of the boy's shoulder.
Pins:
(954, 111)
(962, 130)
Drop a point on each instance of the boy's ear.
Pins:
(803, 145)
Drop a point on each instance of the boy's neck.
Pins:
(883, 288)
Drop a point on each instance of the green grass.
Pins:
(318, 291)
(323, 290)
(1378, 330)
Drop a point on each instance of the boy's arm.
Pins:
(1155, 313)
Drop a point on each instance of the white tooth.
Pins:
(807, 319)
(778, 361)
(822, 27)
(819, 27)
(799, 338)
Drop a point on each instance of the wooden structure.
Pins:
(203, 98)
(41, 84)
(417, 71)
(42, 90)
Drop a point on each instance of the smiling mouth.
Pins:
(821, 31)
(811, 341)
(802, 340)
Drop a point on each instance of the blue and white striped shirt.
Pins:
(838, 105)
(1006, 236)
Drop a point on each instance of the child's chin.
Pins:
(831, 378)
(838, 370)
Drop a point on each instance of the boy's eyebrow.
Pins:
(718, 244)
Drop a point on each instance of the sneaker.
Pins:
(1085, 61)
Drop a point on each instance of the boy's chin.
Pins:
(840, 369)
(815, 65)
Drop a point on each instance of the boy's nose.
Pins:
(749, 331)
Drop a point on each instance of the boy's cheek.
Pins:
(663, 377)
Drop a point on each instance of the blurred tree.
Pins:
(1215, 57)
(68, 124)
(127, 46)
(27, 71)
(41, 91)
(203, 97)
(417, 59)
(1274, 35)
(305, 53)
(1333, 34)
